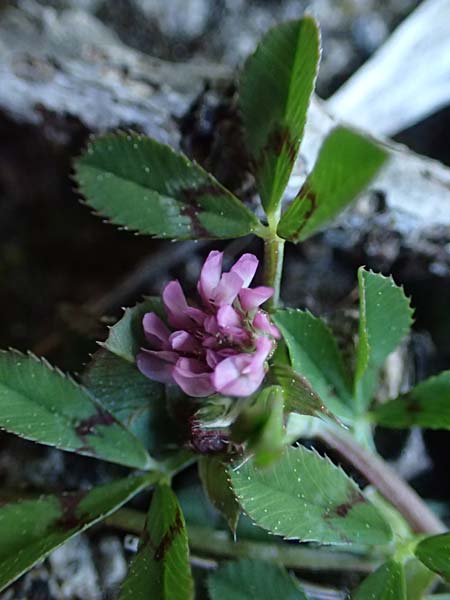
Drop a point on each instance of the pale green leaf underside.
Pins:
(434, 552)
(268, 441)
(386, 583)
(275, 91)
(385, 318)
(426, 405)
(347, 163)
(41, 404)
(304, 496)
(315, 355)
(161, 569)
(145, 186)
(247, 579)
(126, 337)
(299, 396)
(31, 529)
(215, 480)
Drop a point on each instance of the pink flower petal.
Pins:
(229, 286)
(197, 315)
(262, 322)
(251, 298)
(156, 331)
(193, 377)
(157, 365)
(182, 341)
(228, 317)
(210, 276)
(229, 379)
(176, 305)
(246, 267)
(242, 374)
(212, 358)
(210, 325)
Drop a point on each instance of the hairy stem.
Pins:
(387, 482)
(273, 267)
(215, 543)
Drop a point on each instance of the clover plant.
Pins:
(230, 380)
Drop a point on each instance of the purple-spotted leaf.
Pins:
(145, 186)
(31, 529)
(434, 552)
(385, 318)
(426, 405)
(386, 583)
(275, 91)
(247, 579)
(41, 404)
(304, 496)
(347, 163)
(161, 570)
(136, 401)
(299, 397)
(216, 484)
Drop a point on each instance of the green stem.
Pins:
(273, 267)
(215, 543)
(408, 503)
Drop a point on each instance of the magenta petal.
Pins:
(241, 375)
(246, 267)
(182, 341)
(210, 275)
(229, 286)
(157, 365)
(193, 378)
(156, 331)
(197, 315)
(228, 317)
(176, 305)
(210, 325)
(251, 298)
(229, 377)
(212, 358)
(262, 322)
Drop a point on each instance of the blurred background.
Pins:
(168, 68)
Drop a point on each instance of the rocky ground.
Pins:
(64, 273)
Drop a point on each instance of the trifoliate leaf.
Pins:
(147, 187)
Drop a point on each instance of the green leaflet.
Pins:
(426, 405)
(275, 91)
(304, 496)
(347, 163)
(385, 318)
(31, 529)
(41, 404)
(161, 570)
(386, 583)
(434, 552)
(216, 484)
(315, 355)
(127, 336)
(247, 579)
(139, 403)
(145, 186)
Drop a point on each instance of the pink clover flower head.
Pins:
(223, 345)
